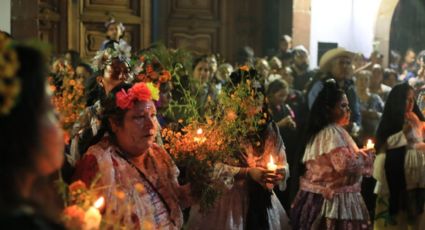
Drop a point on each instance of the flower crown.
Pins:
(104, 57)
(138, 92)
(10, 85)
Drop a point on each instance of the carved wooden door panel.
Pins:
(52, 26)
(195, 25)
(214, 26)
(87, 19)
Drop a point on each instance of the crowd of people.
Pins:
(317, 124)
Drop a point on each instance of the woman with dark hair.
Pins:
(112, 70)
(329, 196)
(400, 166)
(31, 143)
(127, 159)
(249, 203)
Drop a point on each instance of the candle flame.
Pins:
(199, 131)
(99, 202)
(370, 144)
(271, 160)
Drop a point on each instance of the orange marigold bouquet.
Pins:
(68, 99)
(196, 149)
(233, 118)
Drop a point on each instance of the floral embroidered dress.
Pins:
(414, 171)
(230, 210)
(329, 196)
(143, 194)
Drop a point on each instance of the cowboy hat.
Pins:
(331, 54)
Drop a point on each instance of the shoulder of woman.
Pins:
(331, 133)
(159, 151)
(99, 148)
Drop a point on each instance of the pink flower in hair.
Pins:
(141, 92)
(124, 100)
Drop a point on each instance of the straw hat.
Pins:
(331, 54)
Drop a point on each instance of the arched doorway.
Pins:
(383, 27)
(408, 26)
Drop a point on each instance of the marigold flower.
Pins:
(73, 217)
(244, 68)
(231, 116)
(77, 185)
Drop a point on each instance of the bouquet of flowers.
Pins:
(147, 68)
(68, 99)
(82, 205)
(196, 149)
(236, 115)
(86, 208)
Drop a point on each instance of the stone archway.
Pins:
(383, 27)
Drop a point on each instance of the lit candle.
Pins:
(370, 144)
(92, 217)
(199, 139)
(271, 165)
(199, 131)
(99, 202)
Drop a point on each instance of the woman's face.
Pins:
(202, 71)
(410, 100)
(113, 75)
(279, 97)
(138, 131)
(341, 112)
(50, 156)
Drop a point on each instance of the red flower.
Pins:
(140, 92)
(124, 100)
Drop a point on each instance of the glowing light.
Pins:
(99, 202)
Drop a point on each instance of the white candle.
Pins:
(92, 217)
(370, 144)
(271, 165)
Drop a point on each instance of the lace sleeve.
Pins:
(396, 140)
(345, 161)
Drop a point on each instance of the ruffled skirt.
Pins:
(344, 211)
